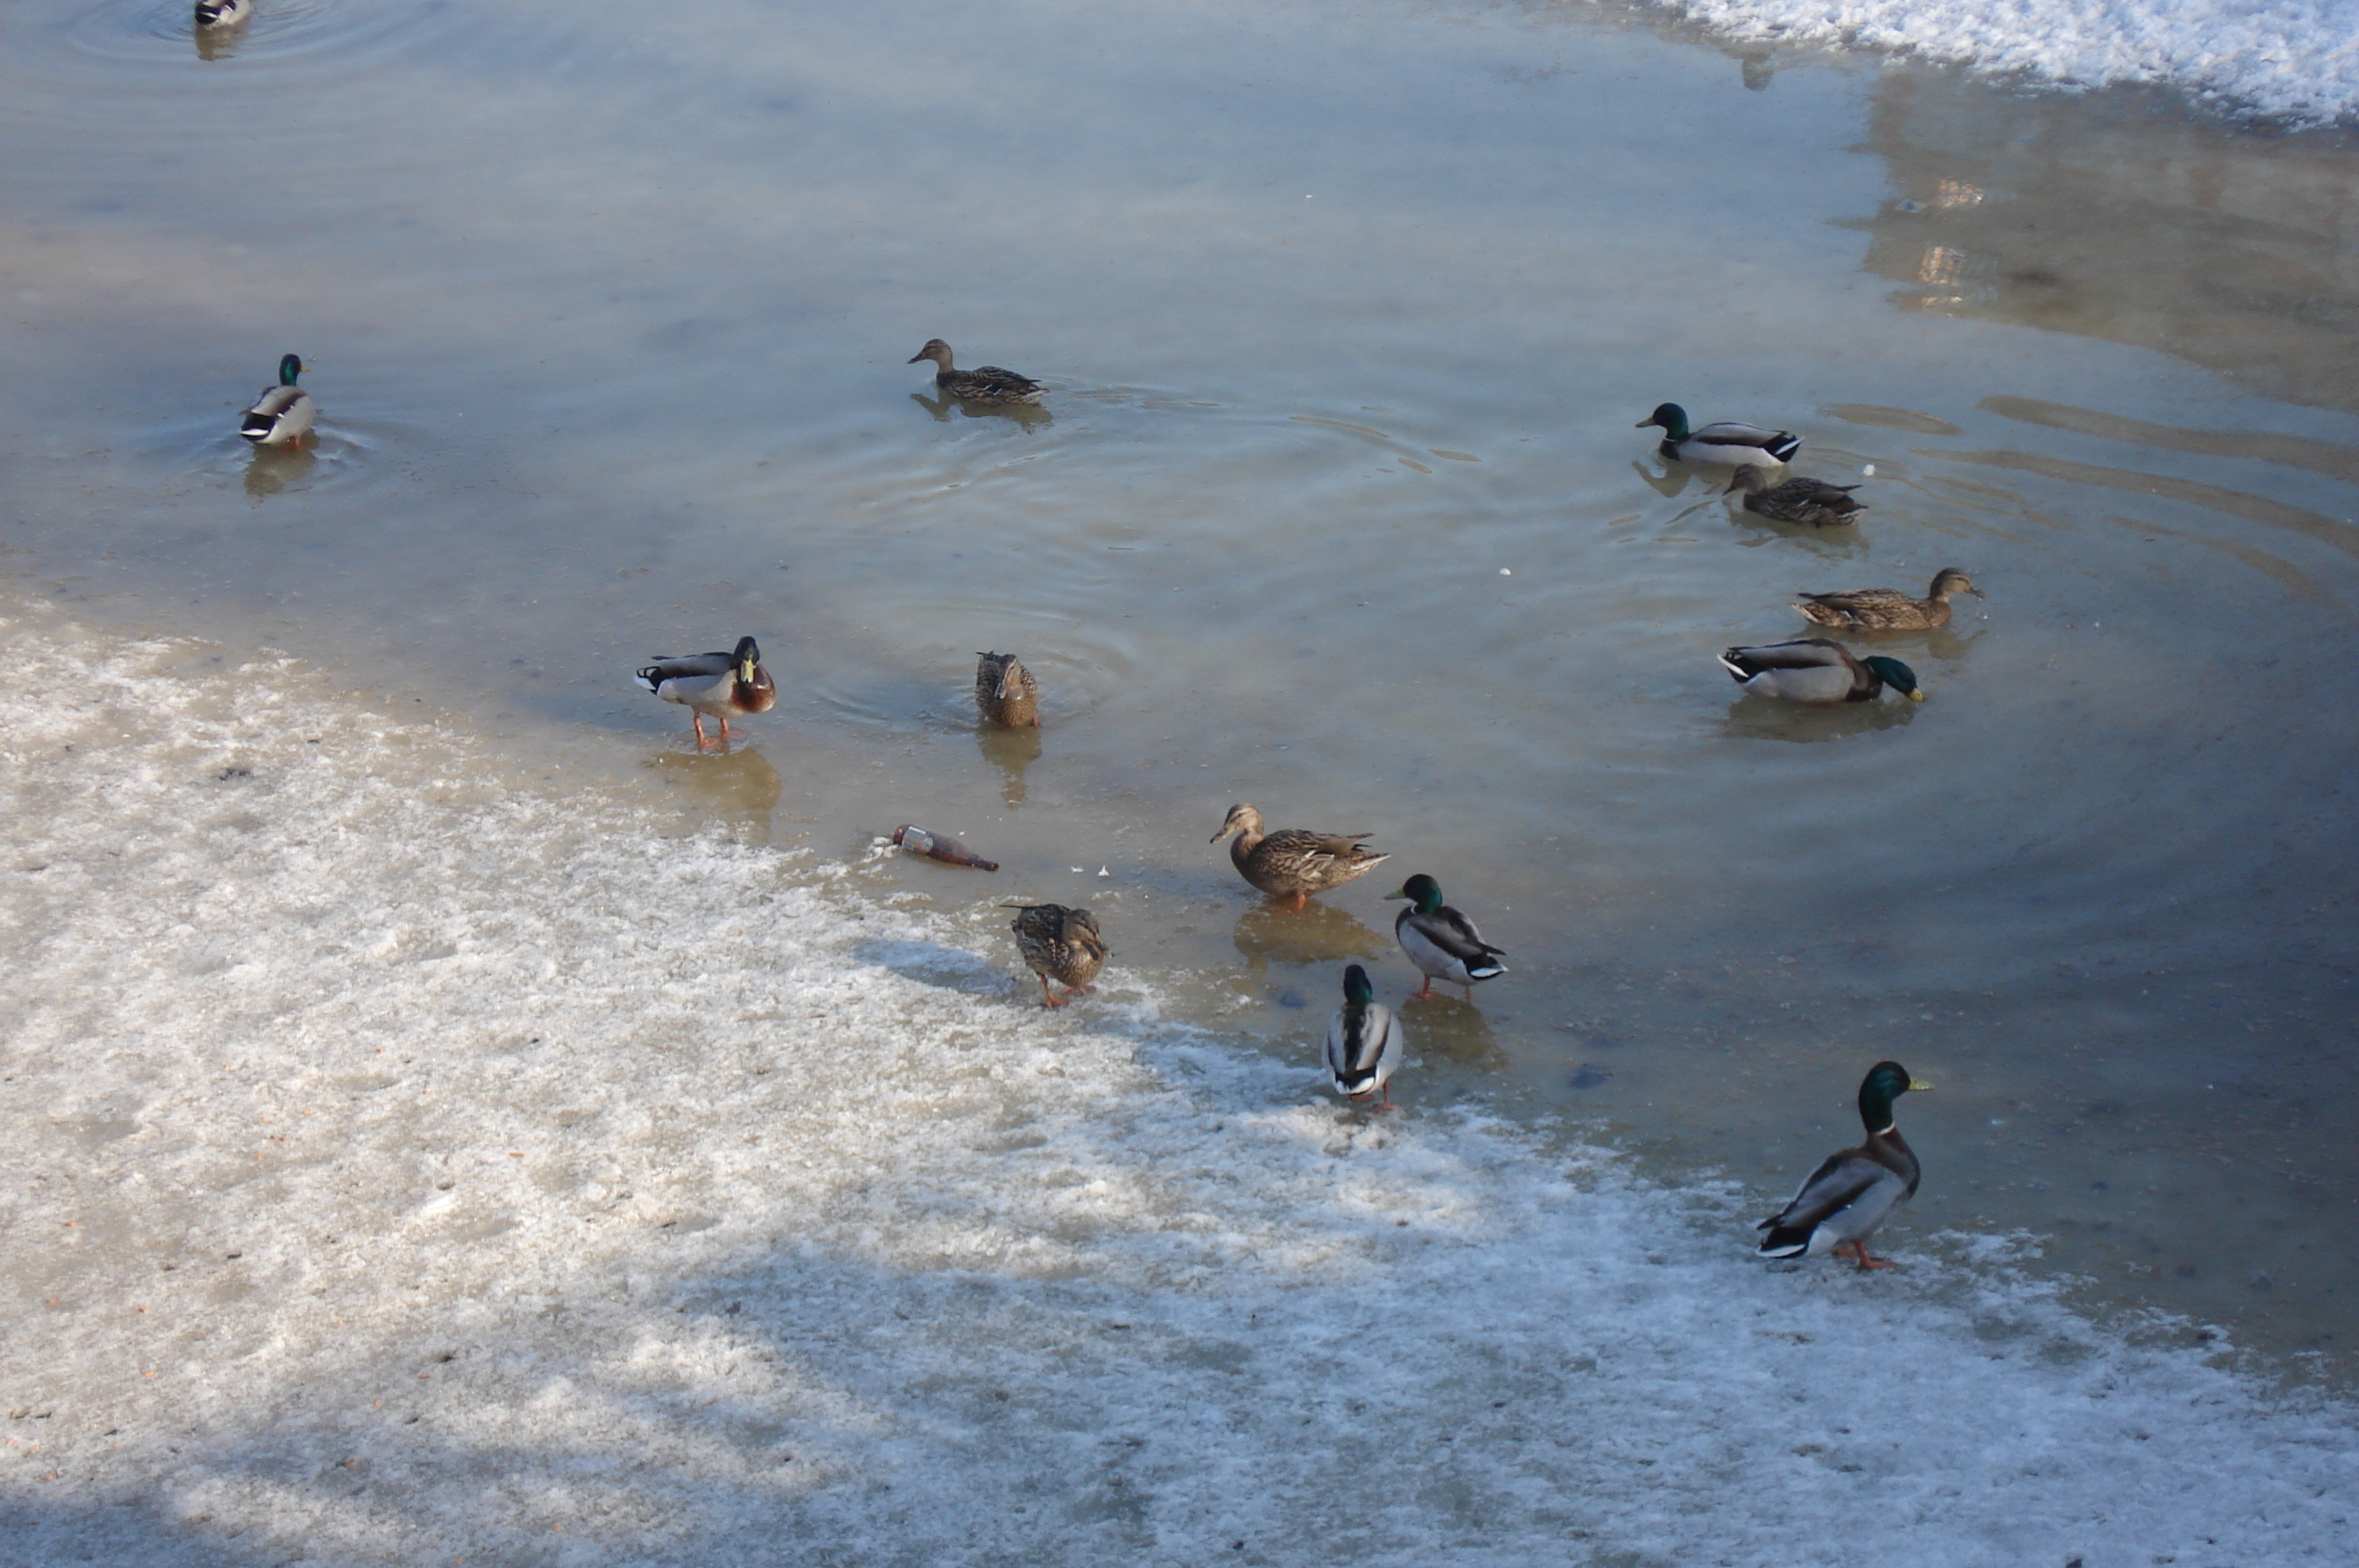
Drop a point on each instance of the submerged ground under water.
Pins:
(1347, 311)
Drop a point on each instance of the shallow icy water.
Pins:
(1345, 309)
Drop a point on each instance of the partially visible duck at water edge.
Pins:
(1813, 669)
(1727, 443)
(1441, 942)
(983, 384)
(1842, 1202)
(717, 685)
(215, 15)
(283, 413)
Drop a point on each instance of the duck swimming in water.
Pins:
(1728, 443)
(1888, 609)
(1813, 669)
(1814, 502)
(283, 413)
(983, 384)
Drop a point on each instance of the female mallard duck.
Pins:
(1842, 1201)
(983, 384)
(1006, 690)
(283, 413)
(716, 683)
(214, 14)
(1813, 669)
(1294, 863)
(1811, 501)
(1059, 942)
(1364, 1042)
(1440, 942)
(1728, 443)
(1888, 609)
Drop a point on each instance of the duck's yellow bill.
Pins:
(1397, 893)
(1918, 1085)
(1916, 696)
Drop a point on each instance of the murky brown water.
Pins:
(1347, 311)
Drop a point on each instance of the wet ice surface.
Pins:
(2298, 59)
(420, 1160)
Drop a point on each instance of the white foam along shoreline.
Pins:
(411, 1162)
(2293, 59)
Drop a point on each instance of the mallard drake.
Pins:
(1840, 1203)
(1440, 942)
(283, 413)
(1813, 669)
(1060, 943)
(1811, 501)
(983, 384)
(1364, 1042)
(1006, 690)
(1888, 609)
(1727, 443)
(1294, 863)
(719, 684)
(213, 13)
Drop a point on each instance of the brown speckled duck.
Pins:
(717, 684)
(1294, 863)
(983, 384)
(1888, 609)
(1811, 501)
(1059, 943)
(1006, 690)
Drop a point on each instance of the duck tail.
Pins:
(256, 427)
(648, 679)
(1485, 969)
(1784, 448)
(1783, 1241)
(1736, 672)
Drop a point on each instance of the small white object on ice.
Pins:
(1104, 872)
(1078, 869)
(1505, 573)
(1868, 470)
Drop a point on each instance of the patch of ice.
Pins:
(409, 1164)
(2298, 59)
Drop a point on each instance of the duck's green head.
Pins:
(1423, 890)
(1671, 417)
(748, 655)
(1885, 1082)
(289, 368)
(1896, 675)
(1355, 985)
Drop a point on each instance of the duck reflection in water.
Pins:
(741, 787)
(1766, 718)
(1028, 415)
(1011, 751)
(271, 469)
(1270, 932)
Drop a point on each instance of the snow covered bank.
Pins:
(417, 1161)
(2294, 58)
